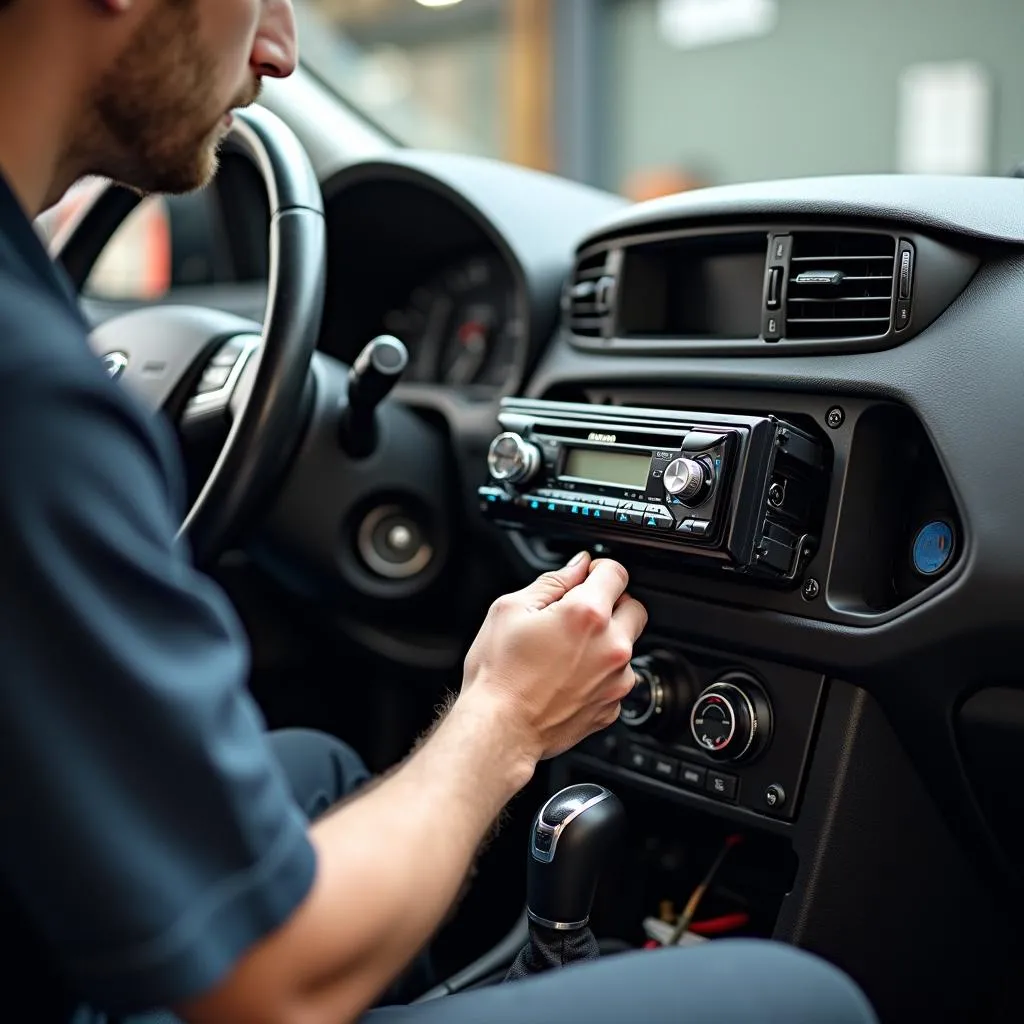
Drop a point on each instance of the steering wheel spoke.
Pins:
(197, 364)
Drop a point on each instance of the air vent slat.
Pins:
(838, 319)
(587, 299)
(840, 285)
(852, 298)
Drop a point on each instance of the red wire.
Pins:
(720, 925)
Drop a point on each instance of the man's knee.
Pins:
(320, 769)
(778, 982)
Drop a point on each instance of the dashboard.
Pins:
(624, 378)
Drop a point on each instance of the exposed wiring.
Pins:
(720, 925)
(686, 917)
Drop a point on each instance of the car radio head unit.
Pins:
(743, 492)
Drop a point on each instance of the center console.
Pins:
(733, 495)
(713, 732)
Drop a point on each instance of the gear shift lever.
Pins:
(571, 837)
(374, 373)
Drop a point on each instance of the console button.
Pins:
(632, 518)
(664, 767)
(902, 314)
(638, 759)
(692, 775)
(721, 785)
(780, 247)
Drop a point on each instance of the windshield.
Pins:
(645, 97)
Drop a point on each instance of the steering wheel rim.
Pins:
(269, 394)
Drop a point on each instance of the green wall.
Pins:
(818, 95)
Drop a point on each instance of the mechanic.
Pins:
(157, 849)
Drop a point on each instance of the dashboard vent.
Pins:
(840, 285)
(589, 295)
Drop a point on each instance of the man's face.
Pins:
(160, 111)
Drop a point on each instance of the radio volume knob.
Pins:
(686, 478)
(510, 459)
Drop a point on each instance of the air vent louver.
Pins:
(840, 285)
(587, 300)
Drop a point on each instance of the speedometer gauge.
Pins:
(460, 326)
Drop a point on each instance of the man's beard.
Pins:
(151, 125)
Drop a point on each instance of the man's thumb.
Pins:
(554, 585)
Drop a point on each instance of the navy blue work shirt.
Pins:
(147, 836)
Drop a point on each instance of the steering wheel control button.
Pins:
(721, 785)
(214, 377)
(392, 544)
(731, 719)
(228, 354)
(774, 796)
(932, 548)
(512, 460)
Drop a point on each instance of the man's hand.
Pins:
(549, 666)
(556, 655)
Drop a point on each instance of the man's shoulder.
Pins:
(36, 326)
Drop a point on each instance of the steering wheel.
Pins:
(194, 362)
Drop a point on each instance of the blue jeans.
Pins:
(729, 981)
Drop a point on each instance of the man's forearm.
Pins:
(389, 866)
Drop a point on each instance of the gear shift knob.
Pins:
(374, 373)
(571, 837)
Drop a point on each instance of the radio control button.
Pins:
(695, 527)
(658, 518)
(687, 479)
(629, 518)
(512, 460)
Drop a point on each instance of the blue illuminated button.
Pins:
(933, 547)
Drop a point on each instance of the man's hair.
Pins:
(5, 3)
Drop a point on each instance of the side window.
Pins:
(136, 263)
(167, 243)
(217, 236)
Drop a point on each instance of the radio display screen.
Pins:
(620, 469)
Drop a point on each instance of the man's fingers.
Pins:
(605, 583)
(631, 615)
(554, 585)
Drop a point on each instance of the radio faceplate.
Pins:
(743, 492)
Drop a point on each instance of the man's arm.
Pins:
(542, 674)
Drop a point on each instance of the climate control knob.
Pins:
(732, 719)
(687, 479)
(663, 689)
(510, 459)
